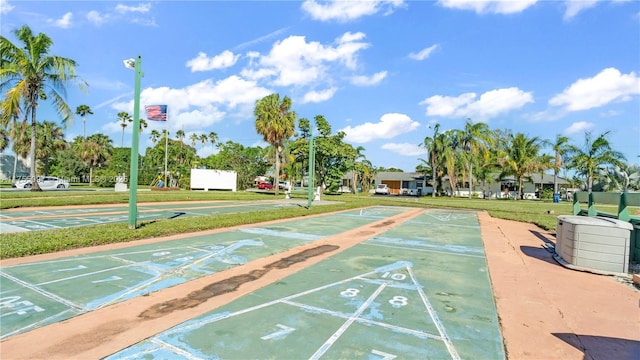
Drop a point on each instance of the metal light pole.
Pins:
(311, 168)
(135, 65)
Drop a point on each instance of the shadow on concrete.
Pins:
(539, 253)
(544, 237)
(602, 347)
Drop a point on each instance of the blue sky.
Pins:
(382, 71)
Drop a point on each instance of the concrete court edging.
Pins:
(103, 332)
(547, 311)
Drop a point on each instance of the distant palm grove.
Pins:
(464, 158)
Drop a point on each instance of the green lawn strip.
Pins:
(41, 242)
(15, 199)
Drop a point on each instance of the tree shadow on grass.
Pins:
(175, 215)
(602, 347)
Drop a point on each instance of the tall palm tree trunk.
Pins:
(34, 123)
(434, 184)
(470, 180)
(276, 181)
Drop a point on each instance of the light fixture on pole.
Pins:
(136, 65)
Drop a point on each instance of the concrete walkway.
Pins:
(550, 312)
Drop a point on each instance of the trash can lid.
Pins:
(595, 221)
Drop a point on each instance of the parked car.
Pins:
(382, 189)
(265, 186)
(45, 183)
(284, 185)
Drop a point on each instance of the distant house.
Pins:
(404, 183)
(507, 187)
(413, 183)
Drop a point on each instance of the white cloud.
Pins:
(424, 53)
(230, 92)
(578, 127)
(64, 22)
(294, 61)
(344, 11)
(488, 105)
(374, 79)
(318, 96)
(202, 103)
(203, 63)
(405, 149)
(608, 86)
(96, 18)
(5, 7)
(141, 8)
(611, 113)
(575, 6)
(389, 126)
(489, 6)
(197, 119)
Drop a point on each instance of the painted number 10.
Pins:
(395, 276)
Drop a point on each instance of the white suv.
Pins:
(382, 189)
(45, 183)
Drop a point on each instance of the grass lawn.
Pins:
(541, 213)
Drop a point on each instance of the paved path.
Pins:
(550, 312)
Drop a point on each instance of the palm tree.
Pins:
(431, 145)
(204, 139)
(155, 135)
(194, 139)
(357, 167)
(143, 125)
(180, 136)
(30, 74)
(124, 118)
(275, 121)
(50, 141)
(213, 139)
(560, 148)
(95, 151)
(18, 133)
(521, 158)
(4, 139)
(593, 156)
(473, 140)
(447, 142)
(83, 110)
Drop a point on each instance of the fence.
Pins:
(625, 202)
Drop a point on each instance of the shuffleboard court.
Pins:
(36, 294)
(420, 290)
(19, 221)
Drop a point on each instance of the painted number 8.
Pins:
(351, 292)
(398, 301)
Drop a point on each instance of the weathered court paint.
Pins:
(16, 221)
(420, 290)
(36, 294)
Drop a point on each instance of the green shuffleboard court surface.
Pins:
(420, 290)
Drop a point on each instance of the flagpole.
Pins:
(166, 147)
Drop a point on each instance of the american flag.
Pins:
(156, 112)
